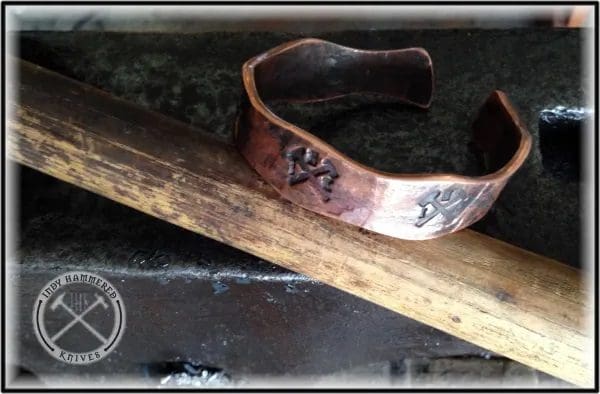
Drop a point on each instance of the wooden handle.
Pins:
(513, 302)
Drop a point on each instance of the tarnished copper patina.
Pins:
(311, 173)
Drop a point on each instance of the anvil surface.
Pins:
(213, 305)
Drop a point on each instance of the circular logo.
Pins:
(79, 317)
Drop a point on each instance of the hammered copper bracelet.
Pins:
(309, 172)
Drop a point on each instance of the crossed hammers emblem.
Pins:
(78, 318)
(310, 167)
(449, 203)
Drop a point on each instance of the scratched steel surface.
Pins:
(189, 298)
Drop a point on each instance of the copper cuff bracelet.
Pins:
(309, 172)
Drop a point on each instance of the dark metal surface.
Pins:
(190, 299)
(561, 132)
(180, 286)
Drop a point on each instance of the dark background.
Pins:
(191, 299)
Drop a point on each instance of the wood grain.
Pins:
(513, 302)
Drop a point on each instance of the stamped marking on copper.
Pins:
(306, 159)
(450, 203)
